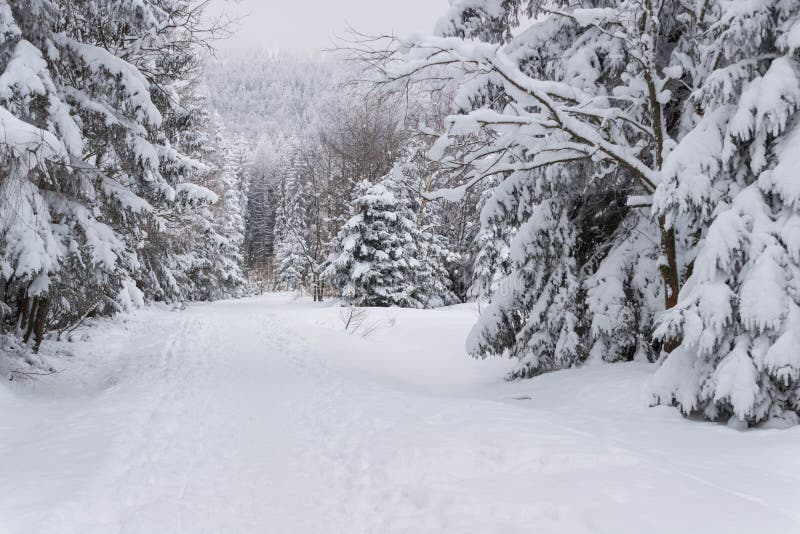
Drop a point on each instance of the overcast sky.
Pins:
(310, 24)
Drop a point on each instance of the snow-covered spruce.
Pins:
(215, 256)
(293, 258)
(533, 312)
(262, 202)
(355, 137)
(515, 124)
(391, 252)
(588, 115)
(374, 258)
(96, 176)
(732, 180)
(491, 261)
(412, 177)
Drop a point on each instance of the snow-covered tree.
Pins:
(396, 211)
(374, 258)
(645, 147)
(316, 176)
(492, 244)
(262, 202)
(411, 177)
(534, 312)
(732, 183)
(624, 294)
(90, 111)
(293, 258)
(223, 236)
(433, 282)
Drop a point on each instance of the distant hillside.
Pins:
(262, 93)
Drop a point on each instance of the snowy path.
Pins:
(260, 415)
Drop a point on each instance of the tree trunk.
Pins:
(23, 308)
(29, 318)
(670, 275)
(40, 322)
(316, 288)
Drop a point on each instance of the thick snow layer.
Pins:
(263, 415)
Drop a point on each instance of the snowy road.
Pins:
(262, 416)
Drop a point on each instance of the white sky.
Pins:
(310, 24)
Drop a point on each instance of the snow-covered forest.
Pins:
(536, 269)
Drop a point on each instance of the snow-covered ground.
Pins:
(263, 415)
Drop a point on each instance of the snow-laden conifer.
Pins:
(93, 180)
(374, 258)
(732, 181)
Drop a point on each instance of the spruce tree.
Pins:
(646, 148)
(411, 178)
(93, 183)
(732, 183)
(374, 256)
(292, 258)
